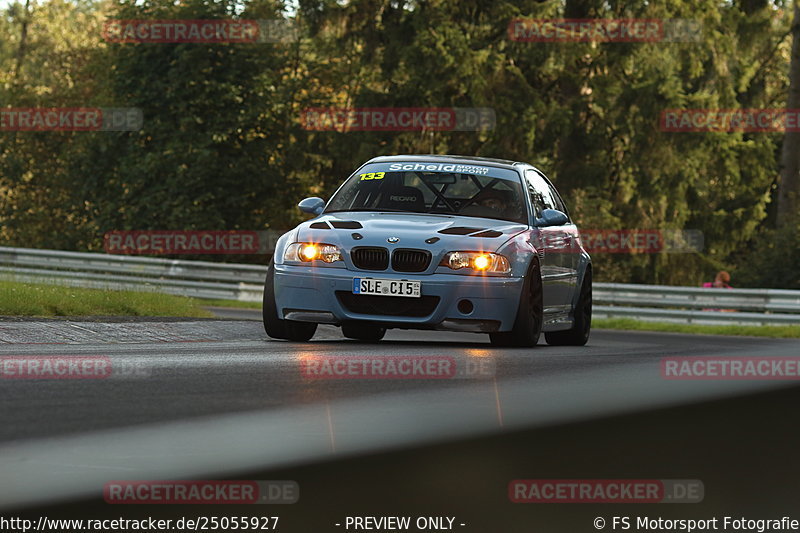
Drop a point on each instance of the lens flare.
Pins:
(482, 262)
(309, 252)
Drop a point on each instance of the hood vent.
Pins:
(489, 233)
(459, 230)
(472, 232)
(319, 225)
(346, 224)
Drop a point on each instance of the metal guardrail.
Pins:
(696, 305)
(231, 281)
(760, 300)
(199, 279)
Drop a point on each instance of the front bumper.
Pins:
(324, 295)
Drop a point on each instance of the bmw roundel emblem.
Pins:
(393, 239)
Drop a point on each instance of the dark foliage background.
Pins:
(222, 145)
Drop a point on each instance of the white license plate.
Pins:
(387, 287)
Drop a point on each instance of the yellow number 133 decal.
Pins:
(372, 176)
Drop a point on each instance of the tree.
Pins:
(789, 188)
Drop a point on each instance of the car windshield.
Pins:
(440, 188)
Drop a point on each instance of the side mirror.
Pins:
(552, 217)
(312, 206)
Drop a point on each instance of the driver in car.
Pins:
(493, 200)
(491, 203)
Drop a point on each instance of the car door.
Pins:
(554, 244)
(570, 248)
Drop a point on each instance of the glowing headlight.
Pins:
(309, 251)
(477, 261)
(481, 262)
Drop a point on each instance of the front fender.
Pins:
(520, 251)
(280, 245)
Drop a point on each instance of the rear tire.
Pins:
(578, 334)
(363, 332)
(529, 319)
(278, 328)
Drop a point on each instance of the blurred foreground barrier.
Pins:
(231, 281)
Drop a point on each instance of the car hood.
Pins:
(412, 230)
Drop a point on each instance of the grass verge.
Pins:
(231, 303)
(29, 299)
(776, 332)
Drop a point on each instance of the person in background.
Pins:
(720, 282)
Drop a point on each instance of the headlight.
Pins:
(477, 261)
(310, 251)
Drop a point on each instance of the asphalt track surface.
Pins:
(191, 398)
(178, 370)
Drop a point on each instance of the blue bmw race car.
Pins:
(434, 242)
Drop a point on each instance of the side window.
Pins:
(540, 193)
(559, 203)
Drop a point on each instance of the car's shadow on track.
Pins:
(385, 345)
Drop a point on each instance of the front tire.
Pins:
(529, 319)
(363, 332)
(578, 334)
(278, 328)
